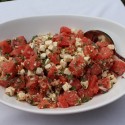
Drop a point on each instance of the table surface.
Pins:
(112, 114)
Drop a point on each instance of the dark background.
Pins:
(123, 1)
(4, 0)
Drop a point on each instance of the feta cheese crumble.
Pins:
(21, 96)
(67, 71)
(10, 91)
(66, 86)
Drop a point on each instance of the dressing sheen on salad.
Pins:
(61, 70)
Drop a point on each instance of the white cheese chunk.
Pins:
(42, 48)
(105, 73)
(48, 52)
(39, 70)
(78, 44)
(73, 57)
(67, 71)
(52, 96)
(112, 78)
(66, 86)
(2, 58)
(67, 58)
(47, 61)
(80, 53)
(28, 97)
(85, 84)
(58, 67)
(55, 44)
(78, 39)
(74, 30)
(37, 40)
(30, 73)
(44, 37)
(62, 56)
(51, 47)
(48, 42)
(111, 46)
(86, 58)
(43, 55)
(102, 38)
(10, 91)
(103, 88)
(63, 51)
(22, 63)
(79, 49)
(48, 66)
(75, 53)
(63, 63)
(22, 72)
(21, 96)
(32, 45)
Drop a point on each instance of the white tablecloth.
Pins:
(112, 114)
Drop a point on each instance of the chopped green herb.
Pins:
(7, 55)
(73, 88)
(7, 76)
(70, 77)
(49, 38)
(33, 37)
(31, 102)
(103, 92)
(79, 101)
(86, 99)
(83, 79)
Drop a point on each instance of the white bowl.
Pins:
(44, 24)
